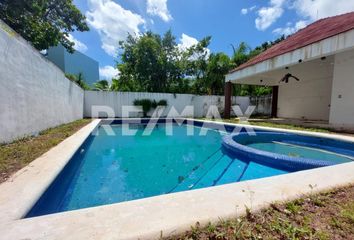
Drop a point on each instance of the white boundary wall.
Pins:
(201, 104)
(35, 95)
(342, 102)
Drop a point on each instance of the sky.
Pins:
(226, 21)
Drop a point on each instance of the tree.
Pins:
(219, 65)
(115, 85)
(240, 54)
(140, 66)
(79, 80)
(196, 58)
(102, 85)
(195, 64)
(44, 23)
(155, 63)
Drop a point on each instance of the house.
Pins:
(74, 63)
(316, 65)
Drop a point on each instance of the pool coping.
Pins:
(150, 217)
(29, 183)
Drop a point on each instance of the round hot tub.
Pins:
(288, 151)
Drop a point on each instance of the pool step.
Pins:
(235, 171)
(226, 171)
(219, 169)
(197, 173)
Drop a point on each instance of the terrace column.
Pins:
(275, 101)
(227, 109)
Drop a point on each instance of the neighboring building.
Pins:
(74, 63)
(321, 56)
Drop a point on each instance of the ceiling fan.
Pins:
(287, 77)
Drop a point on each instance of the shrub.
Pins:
(162, 102)
(148, 104)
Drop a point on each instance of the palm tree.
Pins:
(115, 85)
(240, 54)
(102, 85)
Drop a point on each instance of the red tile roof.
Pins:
(314, 32)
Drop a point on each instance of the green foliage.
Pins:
(218, 66)
(79, 80)
(294, 207)
(241, 55)
(102, 85)
(155, 104)
(115, 85)
(251, 90)
(146, 104)
(149, 63)
(154, 63)
(44, 23)
(162, 102)
(348, 212)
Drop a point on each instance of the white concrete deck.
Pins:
(20, 192)
(150, 217)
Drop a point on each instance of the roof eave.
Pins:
(329, 46)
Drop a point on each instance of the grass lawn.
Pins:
(328, 215)
(16, 155)
(277, 125)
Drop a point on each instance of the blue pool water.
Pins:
(111, 169)
(297, 150)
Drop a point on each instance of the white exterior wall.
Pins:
(342, 105)
(115, 101)
(35, 95)
(309, 98)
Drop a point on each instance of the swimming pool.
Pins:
(115, 168)
(291, 152)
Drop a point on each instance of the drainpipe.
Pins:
(227, 109)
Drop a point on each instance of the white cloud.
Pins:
(79, 46)
(112, 22)
(308, 11)
(290, 29)
(252, 8)
(268, 15)
(317, 9)
(159, 8)
(244, 11)
(188, 41)
(108, 72)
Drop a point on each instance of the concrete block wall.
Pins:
(112, 103)
(309, 98)
(34, 93)
(342, 101)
